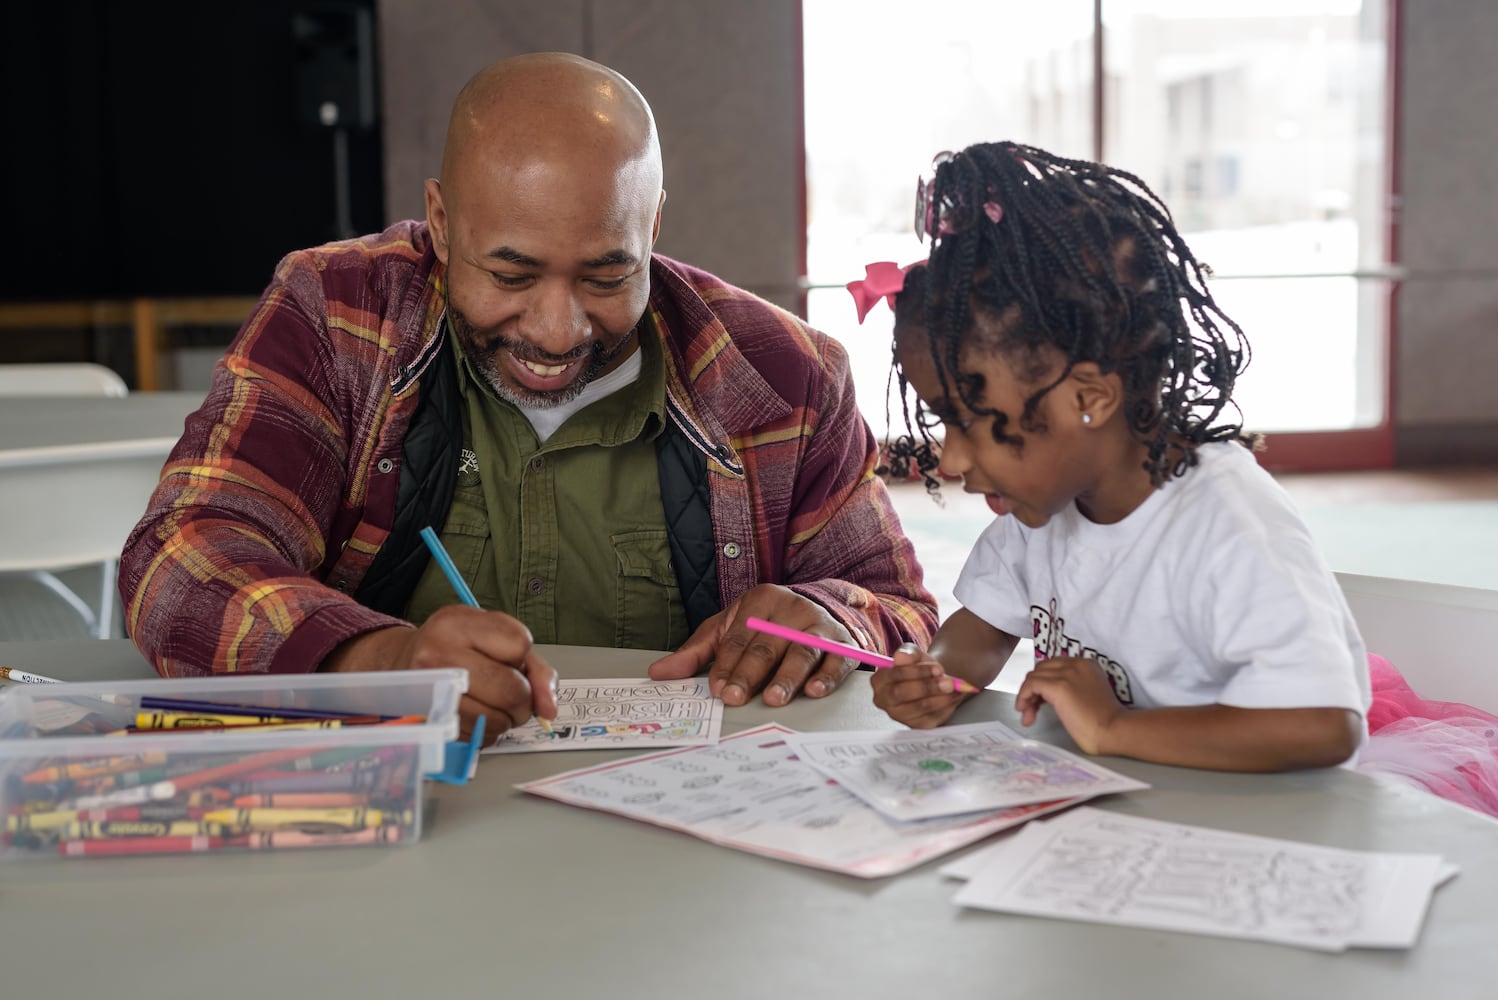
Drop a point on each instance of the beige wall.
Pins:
(721, 76)
(1446, 372)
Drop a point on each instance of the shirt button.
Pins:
(536, 585)
(385, 465)
(732, 550)
(538, 463)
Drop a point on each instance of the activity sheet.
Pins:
(750, 792)
(923, 773)
(1102, 867)
(622, 712)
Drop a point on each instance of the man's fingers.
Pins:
(543, 681)
(747, 659)
(694, 654)
(497, 720)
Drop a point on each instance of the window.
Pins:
(1262, 123)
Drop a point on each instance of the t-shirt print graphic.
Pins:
(1048, 629)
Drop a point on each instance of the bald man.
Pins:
(617, 449)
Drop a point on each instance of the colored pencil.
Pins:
(876, 660)
(22, 677)
(450, 570)
(224, 708)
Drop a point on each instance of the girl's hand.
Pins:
(1079, 692)
(916, 690)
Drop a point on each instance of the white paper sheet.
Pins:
(750, 792)
(622, 712)
(1098, 866)
(924, 773)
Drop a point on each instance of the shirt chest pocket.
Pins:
(649, 613)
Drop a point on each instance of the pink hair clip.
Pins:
(931, 219)
(882, 279)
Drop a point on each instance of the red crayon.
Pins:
(137, 845)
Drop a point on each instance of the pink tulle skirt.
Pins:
(1445, 747)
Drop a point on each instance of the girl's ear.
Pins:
(1092, 397)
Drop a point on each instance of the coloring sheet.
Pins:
(622, 712)
(1102, 867)
(923, 773)
(750, 792)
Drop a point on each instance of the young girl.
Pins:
(1083, 374)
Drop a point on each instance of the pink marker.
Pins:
(875, 660)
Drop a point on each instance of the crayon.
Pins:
(320, 781)
(244, 820)
(137, 845)
(297, 838)
(47, 822)
(302, 800)
(41, 822)
(102, 767)
(248, 726)
(876, 660)
(220, 708)
(114, 829)
(258, 762)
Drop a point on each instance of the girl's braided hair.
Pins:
(1083, 259)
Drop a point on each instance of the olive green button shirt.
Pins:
(581, 555)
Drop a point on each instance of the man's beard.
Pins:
(483, 354)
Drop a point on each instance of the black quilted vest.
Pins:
(429, 471)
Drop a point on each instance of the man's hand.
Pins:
(744, 661)
(1079, 692)
(507, 681)
(916, 690)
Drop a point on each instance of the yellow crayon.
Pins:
(245, 820)
(94, 768)
(194, 720)
(40, 822)
(254, 727)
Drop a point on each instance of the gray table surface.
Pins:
(511, 895)
(28, 422)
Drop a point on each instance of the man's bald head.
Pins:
(552, 109)
(545, 219)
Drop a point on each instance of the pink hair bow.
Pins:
(882, 279)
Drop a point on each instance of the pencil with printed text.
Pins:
(26, 677)
(450, 570)
(876, 660)
(23, 677)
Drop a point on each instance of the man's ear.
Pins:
(436, 217)
(655, 230)
(1092, 396)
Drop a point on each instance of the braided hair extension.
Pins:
(1084, 260)
(907, 451)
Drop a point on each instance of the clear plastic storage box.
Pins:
(329, 760)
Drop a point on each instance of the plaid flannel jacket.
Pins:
(283, 486)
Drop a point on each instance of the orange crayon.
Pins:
(296, 838)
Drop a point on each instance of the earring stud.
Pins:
(1086, 418)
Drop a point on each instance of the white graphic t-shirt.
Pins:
(1211, 591)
